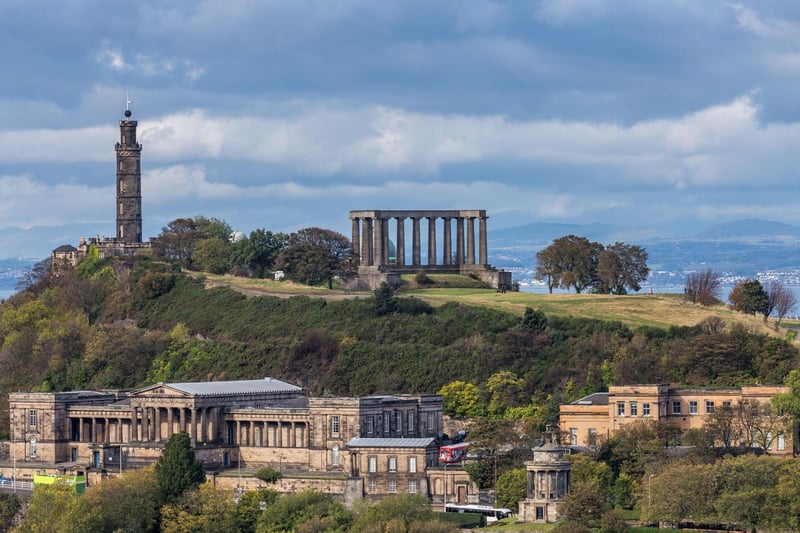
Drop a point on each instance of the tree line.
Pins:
(747, 296)
(573, 262)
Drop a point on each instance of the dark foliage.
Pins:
(177, 470)
(703, 287)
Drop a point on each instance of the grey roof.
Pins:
(66, 248)
(250, 386)
(598, 398)
(398, 442)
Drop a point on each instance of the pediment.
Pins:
(159, 390)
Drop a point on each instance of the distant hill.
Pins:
(750, 228)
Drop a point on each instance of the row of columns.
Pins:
(548, 484)
(147, 424)
(270, 434)
(370, 238)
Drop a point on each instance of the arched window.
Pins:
(335, 455)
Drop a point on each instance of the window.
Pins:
(387, 419)
(709, 407)
(122, 187)
(33, 447)
(676, 408)
(410, 418)
(412, 486)
(620, 408)
(726, 403)
(335, 455)
(392, 486)
(335, 425)
(692, 407)
(372, 463)
(392, 463)
(398, 421)
(430, 422)
(373, 486)
(573, 436)
(645, 409)
(412, 465)
(370, 425)
(781, 444)
(121, 208)
(32, 417)
(591, 440)
(634, 407)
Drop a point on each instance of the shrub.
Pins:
(268, 475)
(423, 279)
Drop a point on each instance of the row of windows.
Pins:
(633, 408)
(391, 467)
(412, 486)
(397, 415)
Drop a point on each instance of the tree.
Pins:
(461, 399)
(721, 426)
(505, 390)
(512, 488)
(749, 297)
(290, 511)
(255, 255)
(703, 287)
(316, 255)
(621, 267)
(177, 470)
(205, 509)
(584, 504)
(176, 241)
(127, 503)
(385, 300)
(789, 403)
(534, 321)
(211, 255)
(780, 300)
(404, 512)
(548, 267)
(569, 261)
(268, 475)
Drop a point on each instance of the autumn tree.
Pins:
(621, 267)
(748, 296)
(315, 255)
(178, 470)
(703, 287)
(461, 399)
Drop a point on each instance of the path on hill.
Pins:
(251, 291)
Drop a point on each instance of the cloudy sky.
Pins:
(285, 114)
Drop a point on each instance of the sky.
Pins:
(288, 114)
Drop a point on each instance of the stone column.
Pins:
(377, 246)
(238, 433)
(470, 240)
(170, 421)
(401, 242)
(93, 422)
(431, 240)
(203, 424)
(447, 251)
(252, 439)
(213, 413)
(182, 419)
(157, 424)
(80, 429)
(459, 241)
(482, 249)
(415, 241)
(366, 242)
(354, 240)
(193, 428)
(385, 241)
(106, 431)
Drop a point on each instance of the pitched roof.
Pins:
(398, 442)
(250, 386)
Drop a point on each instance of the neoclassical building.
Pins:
(379, 245)
(597, 416)
(377, 445)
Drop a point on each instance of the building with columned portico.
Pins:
(371, 446)
(462, 251)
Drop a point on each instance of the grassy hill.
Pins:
(651, 310)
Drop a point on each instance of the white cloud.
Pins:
(27, 203)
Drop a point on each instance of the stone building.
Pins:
(375, 446)
(548, 484)
(373, 246)
(599, 415)
(128, 240)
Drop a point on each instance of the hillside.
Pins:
(128, 323)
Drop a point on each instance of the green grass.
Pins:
(654, 310)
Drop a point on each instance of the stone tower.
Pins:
(129, 182)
